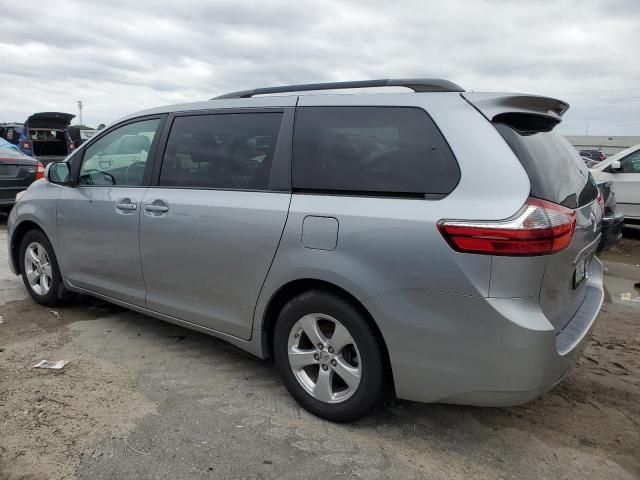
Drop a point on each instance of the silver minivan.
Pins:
(431, 244)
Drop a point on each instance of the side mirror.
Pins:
(58, 173)
(615, 166)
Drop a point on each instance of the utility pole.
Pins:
(80, 112)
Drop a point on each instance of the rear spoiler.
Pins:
(523, 112)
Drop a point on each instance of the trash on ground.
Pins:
(1, 319)
(55, 365)
(627, 297)
(55, 314)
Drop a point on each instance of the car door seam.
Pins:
(273, 258)
(139, 211)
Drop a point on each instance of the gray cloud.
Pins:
(122, 56)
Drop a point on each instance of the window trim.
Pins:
(78, 155)
(379, 193)
(282, 157)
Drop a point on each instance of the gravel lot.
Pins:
(146, 399)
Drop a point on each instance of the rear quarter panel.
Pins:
(386, 244)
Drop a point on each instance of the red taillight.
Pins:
(39, 171)
(26, 145)
(540, 228)
(602, 156)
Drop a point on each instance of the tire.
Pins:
(359, 366)
(35, 241)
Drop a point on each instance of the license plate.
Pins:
(580, 274)
(9, 170)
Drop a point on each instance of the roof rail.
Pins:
(416, 84)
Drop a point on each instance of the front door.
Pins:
(211, 227)
(98, 220)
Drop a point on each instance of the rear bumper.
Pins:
(480, 351)
(611, 231)
(8, 195)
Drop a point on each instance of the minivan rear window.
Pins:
(556, 172)
(395, 151)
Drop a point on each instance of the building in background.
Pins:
(605, 144)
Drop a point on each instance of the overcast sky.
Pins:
(122, 56)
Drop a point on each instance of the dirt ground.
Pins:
(144, 399)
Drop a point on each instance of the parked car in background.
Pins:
(595, 155)
(613, 220)
(17, 172)
(623, 171)
(80, 134)
(11, 132)
(45, 137)
(356, 240)
(588, 161)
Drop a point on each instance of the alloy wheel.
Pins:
(324, 358)
(37, 267)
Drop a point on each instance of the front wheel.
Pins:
(329, 357)
(40, 272)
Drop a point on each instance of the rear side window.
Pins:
(227, 151)
(556, 171)
(371, 150)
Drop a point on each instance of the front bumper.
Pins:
(11, 220)
(611, 231)
(480, 351)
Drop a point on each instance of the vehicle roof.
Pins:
(489, 103)
(9, 150)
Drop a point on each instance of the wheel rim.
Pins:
(324, 358)
(37, 267)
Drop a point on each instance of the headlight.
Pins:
(19, 195)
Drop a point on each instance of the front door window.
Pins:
(120, 157)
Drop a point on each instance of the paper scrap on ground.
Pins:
(628, 298)
(56, 365)
(1, 319)
(55, 314)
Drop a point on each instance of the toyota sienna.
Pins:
(433, 244)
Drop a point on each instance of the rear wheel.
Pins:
(329, 357)
(40, 272)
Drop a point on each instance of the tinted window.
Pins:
(388, 150)
(631, 164)
(233, 151)
(556, 171)
(120, 157)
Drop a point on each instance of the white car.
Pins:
(623, 170)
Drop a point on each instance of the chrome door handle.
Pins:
(156, 208)
(126, 206)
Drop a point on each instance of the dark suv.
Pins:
(595, 155)
(45, 136)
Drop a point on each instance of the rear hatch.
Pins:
(558, 175)
(17, 172)
(47, 133)
(52, 120)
